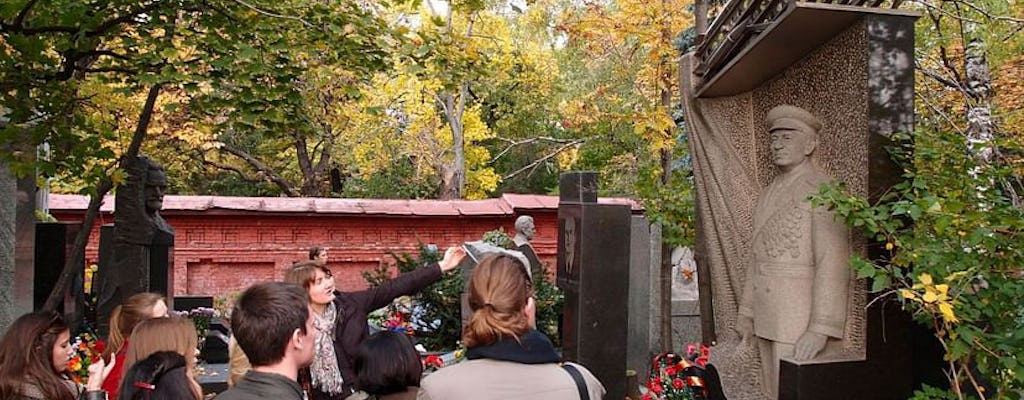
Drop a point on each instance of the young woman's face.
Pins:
(62, 352)
(321, 290)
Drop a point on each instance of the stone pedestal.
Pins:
(593, 271)
(886, 373)
(126, 269)
(640, 319)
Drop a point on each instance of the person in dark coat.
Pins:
(340, 318)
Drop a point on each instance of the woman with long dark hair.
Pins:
(34, 355)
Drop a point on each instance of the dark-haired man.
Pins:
(274, 327)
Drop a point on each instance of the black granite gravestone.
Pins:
(593, 271)
(53, 247)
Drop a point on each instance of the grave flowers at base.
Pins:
(679, 377)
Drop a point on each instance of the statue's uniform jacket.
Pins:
(799, 274)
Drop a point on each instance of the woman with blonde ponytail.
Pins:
(507, 356)
(139, 307)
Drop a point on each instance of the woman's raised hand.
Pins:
(452, 257)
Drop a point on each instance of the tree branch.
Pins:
(276, 15)
(236, 170)
(261, 167)
(537, 162)
(942, 80)
(512, 144)
(20, 19)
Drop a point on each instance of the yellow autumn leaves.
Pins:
(933, 297)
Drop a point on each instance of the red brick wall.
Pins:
(217, 253)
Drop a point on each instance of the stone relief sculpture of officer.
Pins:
(794, 304)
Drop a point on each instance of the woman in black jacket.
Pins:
(340, 319)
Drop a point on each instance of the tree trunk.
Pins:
(453, 176)
(980, 125)
(666, 248)
(76, 261)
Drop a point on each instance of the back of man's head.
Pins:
(264, 318)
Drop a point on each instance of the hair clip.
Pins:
(144, 385)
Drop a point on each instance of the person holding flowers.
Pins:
(507, 356)
(34, 356)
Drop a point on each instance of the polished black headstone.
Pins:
(593, 271)
(54, 242)
(577, 187)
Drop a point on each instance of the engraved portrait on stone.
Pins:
(570, 246)
(794, 303)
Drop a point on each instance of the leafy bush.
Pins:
(954, 257)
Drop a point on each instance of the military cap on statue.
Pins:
(792, 117)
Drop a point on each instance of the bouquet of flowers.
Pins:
(87, 351)
(676, 377)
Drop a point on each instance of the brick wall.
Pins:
(218, 252)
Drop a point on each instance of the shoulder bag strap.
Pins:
(581, 386)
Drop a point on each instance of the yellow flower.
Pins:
(908, 294)
(925, 278)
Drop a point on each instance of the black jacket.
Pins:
(350, 327)
(262, 386)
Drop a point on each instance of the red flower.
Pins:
(702, 361)
(671, 370)
(678, 383)
(433, 361)
(99, 345)
(655, 388)
(646, 396)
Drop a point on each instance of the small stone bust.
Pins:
(525, 231)
(138, 203)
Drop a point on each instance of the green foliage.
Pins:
(953, 252)
(499, 238)
(932, 393)
(439, 302)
